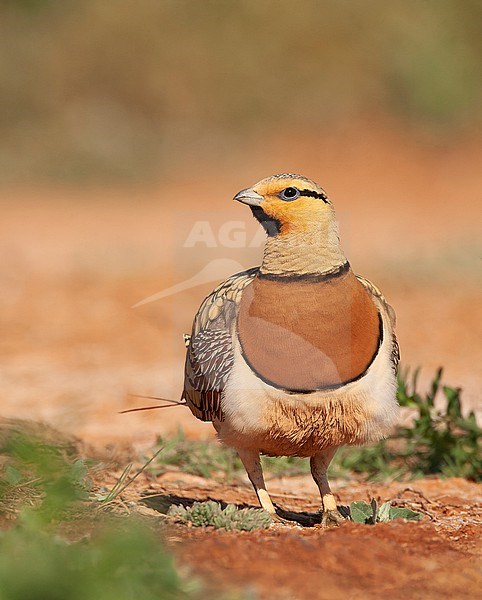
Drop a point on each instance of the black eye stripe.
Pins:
(291, 193)
(313, 194)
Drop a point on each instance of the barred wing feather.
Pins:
(209, 357)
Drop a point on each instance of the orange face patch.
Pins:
(300, 214)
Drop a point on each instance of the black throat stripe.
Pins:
(313, 194)
(307, 277)
(271, 225)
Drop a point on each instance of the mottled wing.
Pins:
(209, 357)
(391, 314)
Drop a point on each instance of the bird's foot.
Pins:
(331, 518)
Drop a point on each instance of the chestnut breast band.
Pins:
(304, 335)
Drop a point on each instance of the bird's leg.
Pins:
(252, 464)
(319, 464)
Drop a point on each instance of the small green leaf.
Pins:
(384, 512)
(404, 513)
(453, 401)
(360, 512)
(369, 514)
(435, 386)
(230, 509)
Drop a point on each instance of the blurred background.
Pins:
(127, 127)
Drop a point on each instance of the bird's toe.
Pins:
(331, 518)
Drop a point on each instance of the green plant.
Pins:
(55, 548)
(370, 514)
(277, 466)
(125, 481)
(440, 440)
(40, 476)
(121, 562)
(199, 457)
(210, 513)
(212, 459)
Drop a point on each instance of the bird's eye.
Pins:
(289, 193)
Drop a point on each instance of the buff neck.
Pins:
(313, 251)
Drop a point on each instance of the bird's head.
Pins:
(287, 203)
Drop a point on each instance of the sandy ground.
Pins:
(438, 557)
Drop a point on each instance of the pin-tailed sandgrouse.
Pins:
(298, 356)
